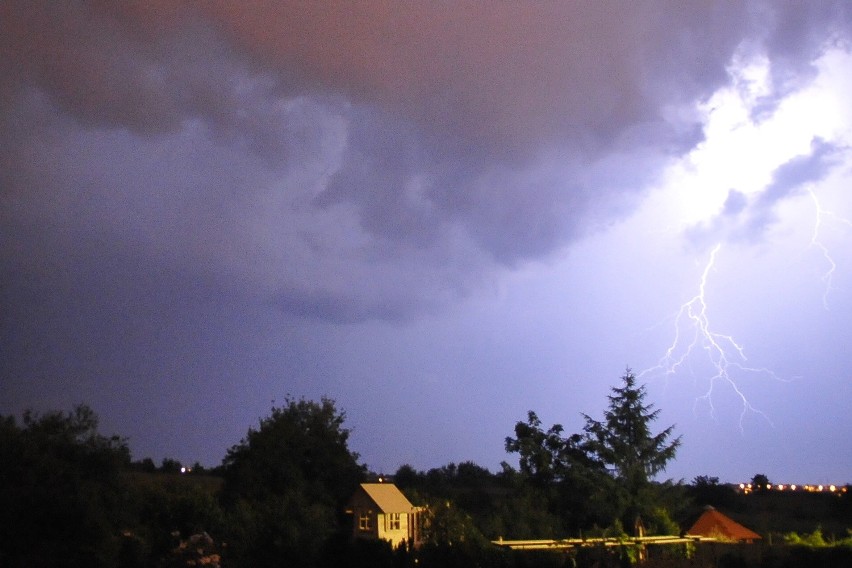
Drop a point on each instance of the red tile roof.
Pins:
(712, 523)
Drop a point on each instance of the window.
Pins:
(393, 521)
(364, 523)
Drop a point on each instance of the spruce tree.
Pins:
(623, 441)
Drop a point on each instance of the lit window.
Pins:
(393, 521)
(364, 523)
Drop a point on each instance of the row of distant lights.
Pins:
(748, 488)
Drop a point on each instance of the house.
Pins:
(714, 524)
(381, 511)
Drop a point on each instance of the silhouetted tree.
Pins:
(286, 483)
(170, 465)
(564, 471)
(406, 476)
(706, 490)
(60, 490)
(468, 474)
(540, 451)
(760, 482)
(146, 465)
(623, 441)
(169, 509)
(448, 524)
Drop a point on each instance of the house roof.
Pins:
(387, 497)
(714, 524)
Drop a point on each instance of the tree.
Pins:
(287, 481)
(706, 490)
(624, 443)
(760, 482)
(563, 470)
(448, 524)
(170, 465)
(540, 451)
(61, 491)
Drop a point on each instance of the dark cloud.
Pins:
(308, 152)
(795, 34)
(505, 79)
(203, 203)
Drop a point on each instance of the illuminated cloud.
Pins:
(266, 196)
(457, 136)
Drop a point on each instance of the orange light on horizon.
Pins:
(747, 488)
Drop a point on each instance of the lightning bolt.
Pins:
(816, 242)
(693, 332)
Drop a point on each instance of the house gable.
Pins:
(381, 511)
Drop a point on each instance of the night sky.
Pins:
(439, 214)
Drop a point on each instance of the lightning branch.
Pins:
(693, 333)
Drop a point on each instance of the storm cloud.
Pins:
(315, 150)
(214, 201)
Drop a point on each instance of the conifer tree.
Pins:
(623, 441)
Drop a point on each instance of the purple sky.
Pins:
(441, 215)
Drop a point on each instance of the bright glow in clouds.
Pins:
(464, 214)
(742, 153)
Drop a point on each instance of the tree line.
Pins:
(70, 496)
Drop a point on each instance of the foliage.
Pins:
(659, 522)
(146, 465)
(815, 549)
(606, 472)
(813, 539)
(525, 514)
(540, 451)
(760, 482)
(563, 472)
(623, 441)
(71, 497)
(61, 494)
(499, 505)
(706, 490)
(301, 447)
(170, 465)
(169, 508)
(446, 524)
(286, 483)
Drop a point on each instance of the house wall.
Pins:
(369, 522)
(393, 527)
(362, 506)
